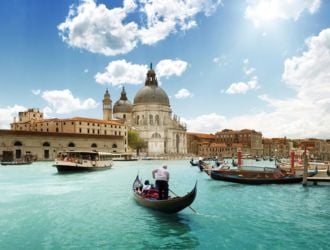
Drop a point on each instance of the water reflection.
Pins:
(169, 232)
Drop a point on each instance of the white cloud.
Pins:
(47, 111)
(220, 61)
(259, 11)
(247, 69)
(165, 17)
(97, 29)
(36, 91)
(121, 72)
(303, 116)
(167, 68)
(86, 70)
(7, 115)
(243, 87)
(208, 123)
(183, 93)
(63, 102)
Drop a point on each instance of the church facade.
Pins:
(151, 115)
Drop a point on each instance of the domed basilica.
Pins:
(151, 115)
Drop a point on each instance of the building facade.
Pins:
(32, 135)
(151, 115)
(247, 140)
(16, 145)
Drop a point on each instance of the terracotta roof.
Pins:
(56, 134)
(201, 135)
(80, 119)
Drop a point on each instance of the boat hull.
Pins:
(254, 181)
(172, 205)
(72, 169)
(13, 163)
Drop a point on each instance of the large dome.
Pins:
(123, 105)
(151, 93)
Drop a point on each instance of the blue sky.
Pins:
(256, 64)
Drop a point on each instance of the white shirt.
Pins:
(146, 187)
(161, 174)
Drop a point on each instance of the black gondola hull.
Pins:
(73, 169)
(255, 181)
(172, 205)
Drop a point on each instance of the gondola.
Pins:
(171, 205)
(238, 177)
(15, 163)
(193, 163)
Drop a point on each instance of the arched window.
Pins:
(18, 143)
(157, 120)
(137, 120)
(71, 145)
(151, 120)
(156, 136)
(46, 144)
(94, 145)
(114, 145)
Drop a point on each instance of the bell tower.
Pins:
(107, 106)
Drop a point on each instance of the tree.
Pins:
(135, 141)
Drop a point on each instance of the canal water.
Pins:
(40, 209)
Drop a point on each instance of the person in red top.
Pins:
(162, 177)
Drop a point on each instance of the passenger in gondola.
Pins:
(146, 186)
(162, 177)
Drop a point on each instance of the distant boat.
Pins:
(148, 158)
(80, 161)
(123, 157)
(9, 163)
(171, 205)
(193, 163)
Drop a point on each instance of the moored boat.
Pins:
(14, 163)
(171, 205)
(193, 163)
(80, 161)
(255, 177)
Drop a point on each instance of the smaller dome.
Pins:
(123, 105)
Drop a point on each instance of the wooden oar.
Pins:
(188, 206)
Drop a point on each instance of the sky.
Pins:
(225, 64)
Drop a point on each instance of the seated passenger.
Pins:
(146, 186)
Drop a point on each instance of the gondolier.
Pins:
(162, 177)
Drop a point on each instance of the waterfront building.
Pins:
(277, 147)
(317, 149)
(199, 143)
(224, 144)
(31, 134)
(151, 115)
(247, 140)
(18, 145)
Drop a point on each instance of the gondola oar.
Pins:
(188, 206)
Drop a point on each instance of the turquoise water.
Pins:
(40, 209)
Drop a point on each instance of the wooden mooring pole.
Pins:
(305, 169)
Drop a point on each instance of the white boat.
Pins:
(79, 161)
